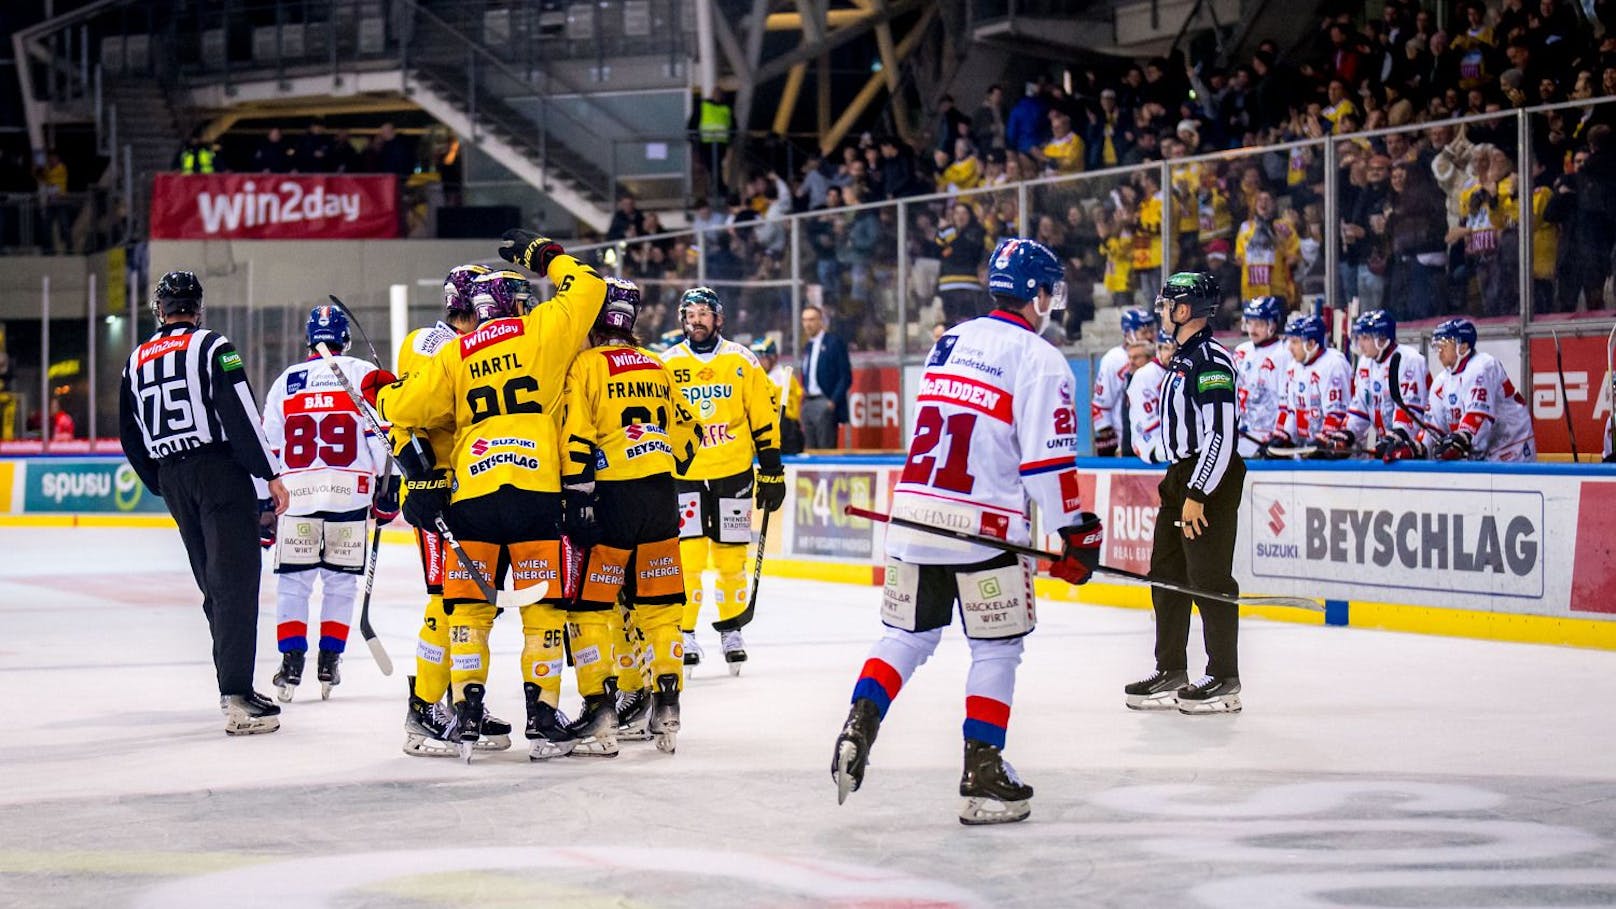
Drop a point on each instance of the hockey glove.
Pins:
(426, 499)
(1338, 440)
(1397, 445)
(771, 480)
(384, 507)
(1456, 447)
(1080, 554)
(578, 516)
(373, 382)
(530, 250)
(1105, 442)
(268, 524)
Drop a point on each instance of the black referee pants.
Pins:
(211, 498)
(1206, 562)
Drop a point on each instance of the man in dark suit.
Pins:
(827, 374)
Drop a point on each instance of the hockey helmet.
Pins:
(667, 340)
(765, 347)
(457, 288)
(328, 325)
(1020, 267)
(1137, 320)
(1462, 331)
(1376, 323)
(1306, 327)
(1163, 336)
(621, 307)
(500, 295)
(1198, 289)
(1264, 309)
(700, 296)
(177, 292)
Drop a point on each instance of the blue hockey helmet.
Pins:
(328, 325)
(457, 288)
(1377, 323)
(500, 295)
(1163, 336)
(1460, 330)
(1019, 267)
(1306, 327)
(1137, 320)
(765, 347)
(1264, 309)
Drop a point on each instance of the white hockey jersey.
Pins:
(1260, 375)
(331, 457)
(1316, 397)
(1110, 405)
(1375, 397)
(1144, 412)
(1477, 397)
(994, 426)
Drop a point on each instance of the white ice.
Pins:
(1369, 769)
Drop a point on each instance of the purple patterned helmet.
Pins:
(622, 305)
(457, 288)
(500, 295)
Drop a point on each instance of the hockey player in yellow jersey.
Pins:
(626, 434)
(498, 388)
(788, 388)
(736, 405)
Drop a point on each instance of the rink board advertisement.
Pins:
(1587, 394)
(82, 485)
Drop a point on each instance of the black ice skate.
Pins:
(468, 721)
(853, 747)
(634, 716)
(734, 650)
(546, 727)
(993, 793)
(596, 727)
(249, 714)
(326, 671)
(1210, 695)
(426, 727)
(289, 676)
(692, 650)
(496, 733)
(665, 713)
(1158, 692)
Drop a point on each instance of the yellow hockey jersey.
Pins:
(621, 413)
(733, 400)
(417, 350)
(498, 389)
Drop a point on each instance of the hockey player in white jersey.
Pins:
(1474, 401)
(1144, 401)
(1389, 391)
(994, 426)
(1109, 408)
(1319, 383)
(1261, 365)
(334, 468)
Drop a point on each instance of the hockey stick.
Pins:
(1565, 402)
(377, 651)
(374, 356)
(505, 599)
(1019, 549)
(757, 563)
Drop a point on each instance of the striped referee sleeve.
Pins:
(1213, 395)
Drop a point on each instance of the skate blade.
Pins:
(1229, 703)
(325, 690)
(252, 726)
(667, 741)
(284, 693)
(491, 743)
(978, 811)
(423, 746)
(634, 734)
(467, 749)
(1166, 700)
(846, 754)
(544, 750)
(735, 669)
(596, 747)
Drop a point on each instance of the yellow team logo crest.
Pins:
(706, 375)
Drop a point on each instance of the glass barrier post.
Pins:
(1023, 214)
(1523, 220)
(902, 258)
(43, 407)
(1332, 228)
(796, 285)
(1169, 242)
(89, 357)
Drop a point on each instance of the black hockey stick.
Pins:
(377, 651)
(1565, 402)
(374, 356)
(1019, 549)
(505, 599)
(757, 563)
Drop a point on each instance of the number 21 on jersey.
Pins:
(953, 432)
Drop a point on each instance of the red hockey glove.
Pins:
(1456, 447)
(1080, 554)
(384, 507)
(375, 381)
(268, 524)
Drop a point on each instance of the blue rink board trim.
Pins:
(1336, 612)
(1444, 467)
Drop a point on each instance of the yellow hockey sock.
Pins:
(693, 558)
(468, 646)
(432, 652)
(626, 644)
(591, 649)
(662, 639)
(731, 591)
(542, 649)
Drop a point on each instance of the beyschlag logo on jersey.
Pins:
(151, 350)
(490, 332)
(487, 456)
(619, 361)
(646, 438)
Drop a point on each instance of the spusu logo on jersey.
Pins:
(490, 332)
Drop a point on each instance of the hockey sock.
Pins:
(468, 646)
(432, 652)
(542, 649)
(338, 590)
(693, 557)
(892, 660)
(990, 686)
(730, 591)
(662, 639)
(292, 592)
(626, 639)
(591, 649)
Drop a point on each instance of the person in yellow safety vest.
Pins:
(197, 157)
(715, 120)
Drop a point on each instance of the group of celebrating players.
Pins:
(1299, 397)
(597, 478)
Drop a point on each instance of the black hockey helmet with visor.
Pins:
(177, 292)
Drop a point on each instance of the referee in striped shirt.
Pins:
(190, 429)
(1200, 501)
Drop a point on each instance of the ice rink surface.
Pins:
(1369, 769)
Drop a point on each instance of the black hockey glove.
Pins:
(1338, 440)
(268, 523)
(530, 250)
(1397, 445)
(426, 499)
(578, 514)
(771, 480)
(1105, 442)
(1456, 447)
(384, 506)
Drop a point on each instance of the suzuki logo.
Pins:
(1276, 516)
(479, 448)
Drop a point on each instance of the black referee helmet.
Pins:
(177, 292)
(1199, 289)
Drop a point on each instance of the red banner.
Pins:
(1587, 389)
(1130, 528)
(874, 413)
(274, 207)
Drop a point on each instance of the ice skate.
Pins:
(496, 734)
(734, 650)
(289, 676)
(993, 793)
(326, 671)
(692, 650)
(1157, 692)
(249, 714)
(546, 727)
(468, 721)
(634, 716)
(596, 727)
(426, 727)
(664, 713)
(1210, 695)
(853, 747)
